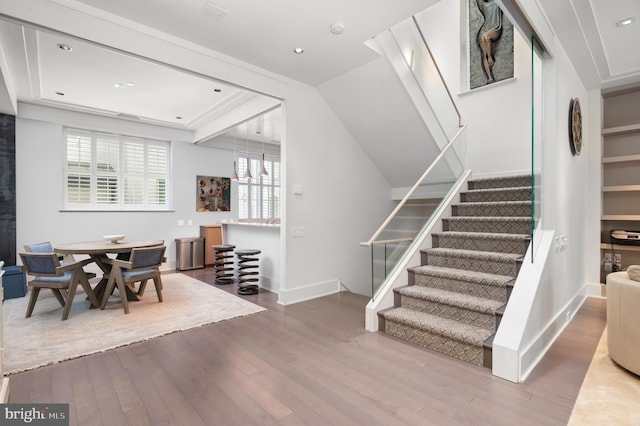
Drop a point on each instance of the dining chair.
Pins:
(49, 273)
(143, 265)
(47, 247)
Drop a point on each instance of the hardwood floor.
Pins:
(310, 363)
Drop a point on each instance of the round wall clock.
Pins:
(575, 126)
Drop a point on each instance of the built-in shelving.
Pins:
(607, 246)
(621, 130)
(620, 173)
(621, 217)
(620, 159)
(621, 188)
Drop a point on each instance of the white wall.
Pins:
(265, 238)
(344, 200)
(40, 183)
(497, 116)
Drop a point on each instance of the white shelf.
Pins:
(621, 130)
(620, 159)
(621, 188)
(607, 246)
(630, 217)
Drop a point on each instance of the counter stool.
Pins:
(223, 263)
(248, 271)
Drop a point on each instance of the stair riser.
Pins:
(473, 289)
(509, 268)
(455, 313)
(487, 226)
(491, 210)
(470, 243)
(506, 182)
(493, 196)
(462, 351)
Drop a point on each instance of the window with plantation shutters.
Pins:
(114, 172)
(259, 197)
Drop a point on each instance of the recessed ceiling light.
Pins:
(298, 50)
(217, 90)
(119, 86)
(178, 118)
(625, 22)
(65, 47)
(129, 84)
(59, 93)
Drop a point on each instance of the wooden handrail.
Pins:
(394, 240)
(426, 45)
(412, 190)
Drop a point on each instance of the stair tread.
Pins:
(451, 298)
(451, 329)
(501, 179)
(483, 235)
(503, 189)
(491, 218)
(474, 254)
(460, 274)
(493, 203)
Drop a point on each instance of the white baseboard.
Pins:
(308, 292)
(531, 356)
(269, 284)
(597, 290)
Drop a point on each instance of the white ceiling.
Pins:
(264, 33)
(604, 54)
(258, 32)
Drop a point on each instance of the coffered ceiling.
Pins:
(92, 78)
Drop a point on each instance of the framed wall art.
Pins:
(213, 194)
(490, 43)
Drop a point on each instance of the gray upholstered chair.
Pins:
(143, 265)
(47, 247)
(44, 247)
(62, 280)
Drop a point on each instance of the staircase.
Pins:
(455, 299)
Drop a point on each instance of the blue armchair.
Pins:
(143, 265)
(62, 280)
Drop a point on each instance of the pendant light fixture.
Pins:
(263, 171)
(247, 173)
(234, 175)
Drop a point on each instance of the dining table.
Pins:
(99, 251)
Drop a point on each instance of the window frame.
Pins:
(152, 170)
(255, 188)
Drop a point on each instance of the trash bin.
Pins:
(14, 283)
(189, 253)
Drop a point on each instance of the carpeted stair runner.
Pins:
(455, 298)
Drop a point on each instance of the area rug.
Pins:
(609, 394)
(44, 339)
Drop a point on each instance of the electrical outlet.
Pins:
(607, 257)
(607, 266)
